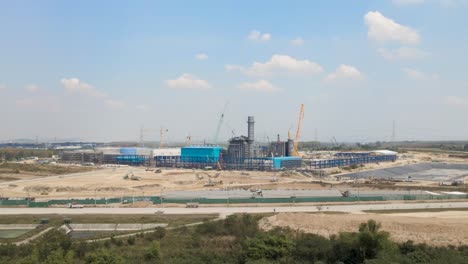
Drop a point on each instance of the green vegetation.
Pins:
(236, 239)
(57, 220)
(10, 154)
(39, 169)
(13, 233)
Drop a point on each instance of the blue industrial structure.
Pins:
(201, 154)
(128, 151)
(131, 159)
(286, 162)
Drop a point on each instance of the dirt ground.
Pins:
(109, 181)
(433, 228)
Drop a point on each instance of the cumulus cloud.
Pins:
(278, 64)
(201, 56)
(408, 2)
(297, 42)
(74, 85)
(419, 75)
(402, 53)
(456, 101)
(344, 72)
(258, 36)
(383, 29)
(259, 86)
(42, 103)
(32, 88)
(188, 81)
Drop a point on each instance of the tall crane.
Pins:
(161, 136)
(220, 123)
(298, 131)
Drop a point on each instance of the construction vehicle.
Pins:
(345, 193)
(192, 205)
(158, 171)
(74, 206)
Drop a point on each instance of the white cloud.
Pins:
(402, 53)
(456, 101)
(278, 64)
(74, 85)
(259, 86)
(43, 103)
(256, 35)
(382, 29)
(419, 75)
(32, 88)
(345, 72)
(113, 104)
(408, 2)
(297, 42)
(188, 81)
(201, 56)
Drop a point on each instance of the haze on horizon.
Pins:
(101, 70)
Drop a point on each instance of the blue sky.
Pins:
(100, 70)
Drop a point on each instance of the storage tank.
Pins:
(290, 151)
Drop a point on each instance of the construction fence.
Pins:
(291, 200)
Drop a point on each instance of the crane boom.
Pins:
(220, 123)
(298, 131)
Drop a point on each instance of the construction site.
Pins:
(243, 170)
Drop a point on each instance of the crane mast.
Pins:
(220, 123)
(298, 131)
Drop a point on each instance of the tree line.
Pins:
(237, 239)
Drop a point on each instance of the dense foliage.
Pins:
(9, 154)
(236, 239)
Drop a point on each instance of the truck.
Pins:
(191, 205)
(74, 206)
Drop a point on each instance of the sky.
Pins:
(103, 70)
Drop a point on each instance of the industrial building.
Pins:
(342, 159)
(242, 153)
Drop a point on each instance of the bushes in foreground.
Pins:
(236, 239)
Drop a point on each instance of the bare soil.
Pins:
(433, 228)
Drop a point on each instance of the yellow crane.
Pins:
(298, 131)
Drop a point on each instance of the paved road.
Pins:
(223, 211)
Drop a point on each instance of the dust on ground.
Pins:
(111, 181)
(432, 228)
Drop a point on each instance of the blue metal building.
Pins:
(201, 154)
(286, 162)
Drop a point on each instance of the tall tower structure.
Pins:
(251, 135)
